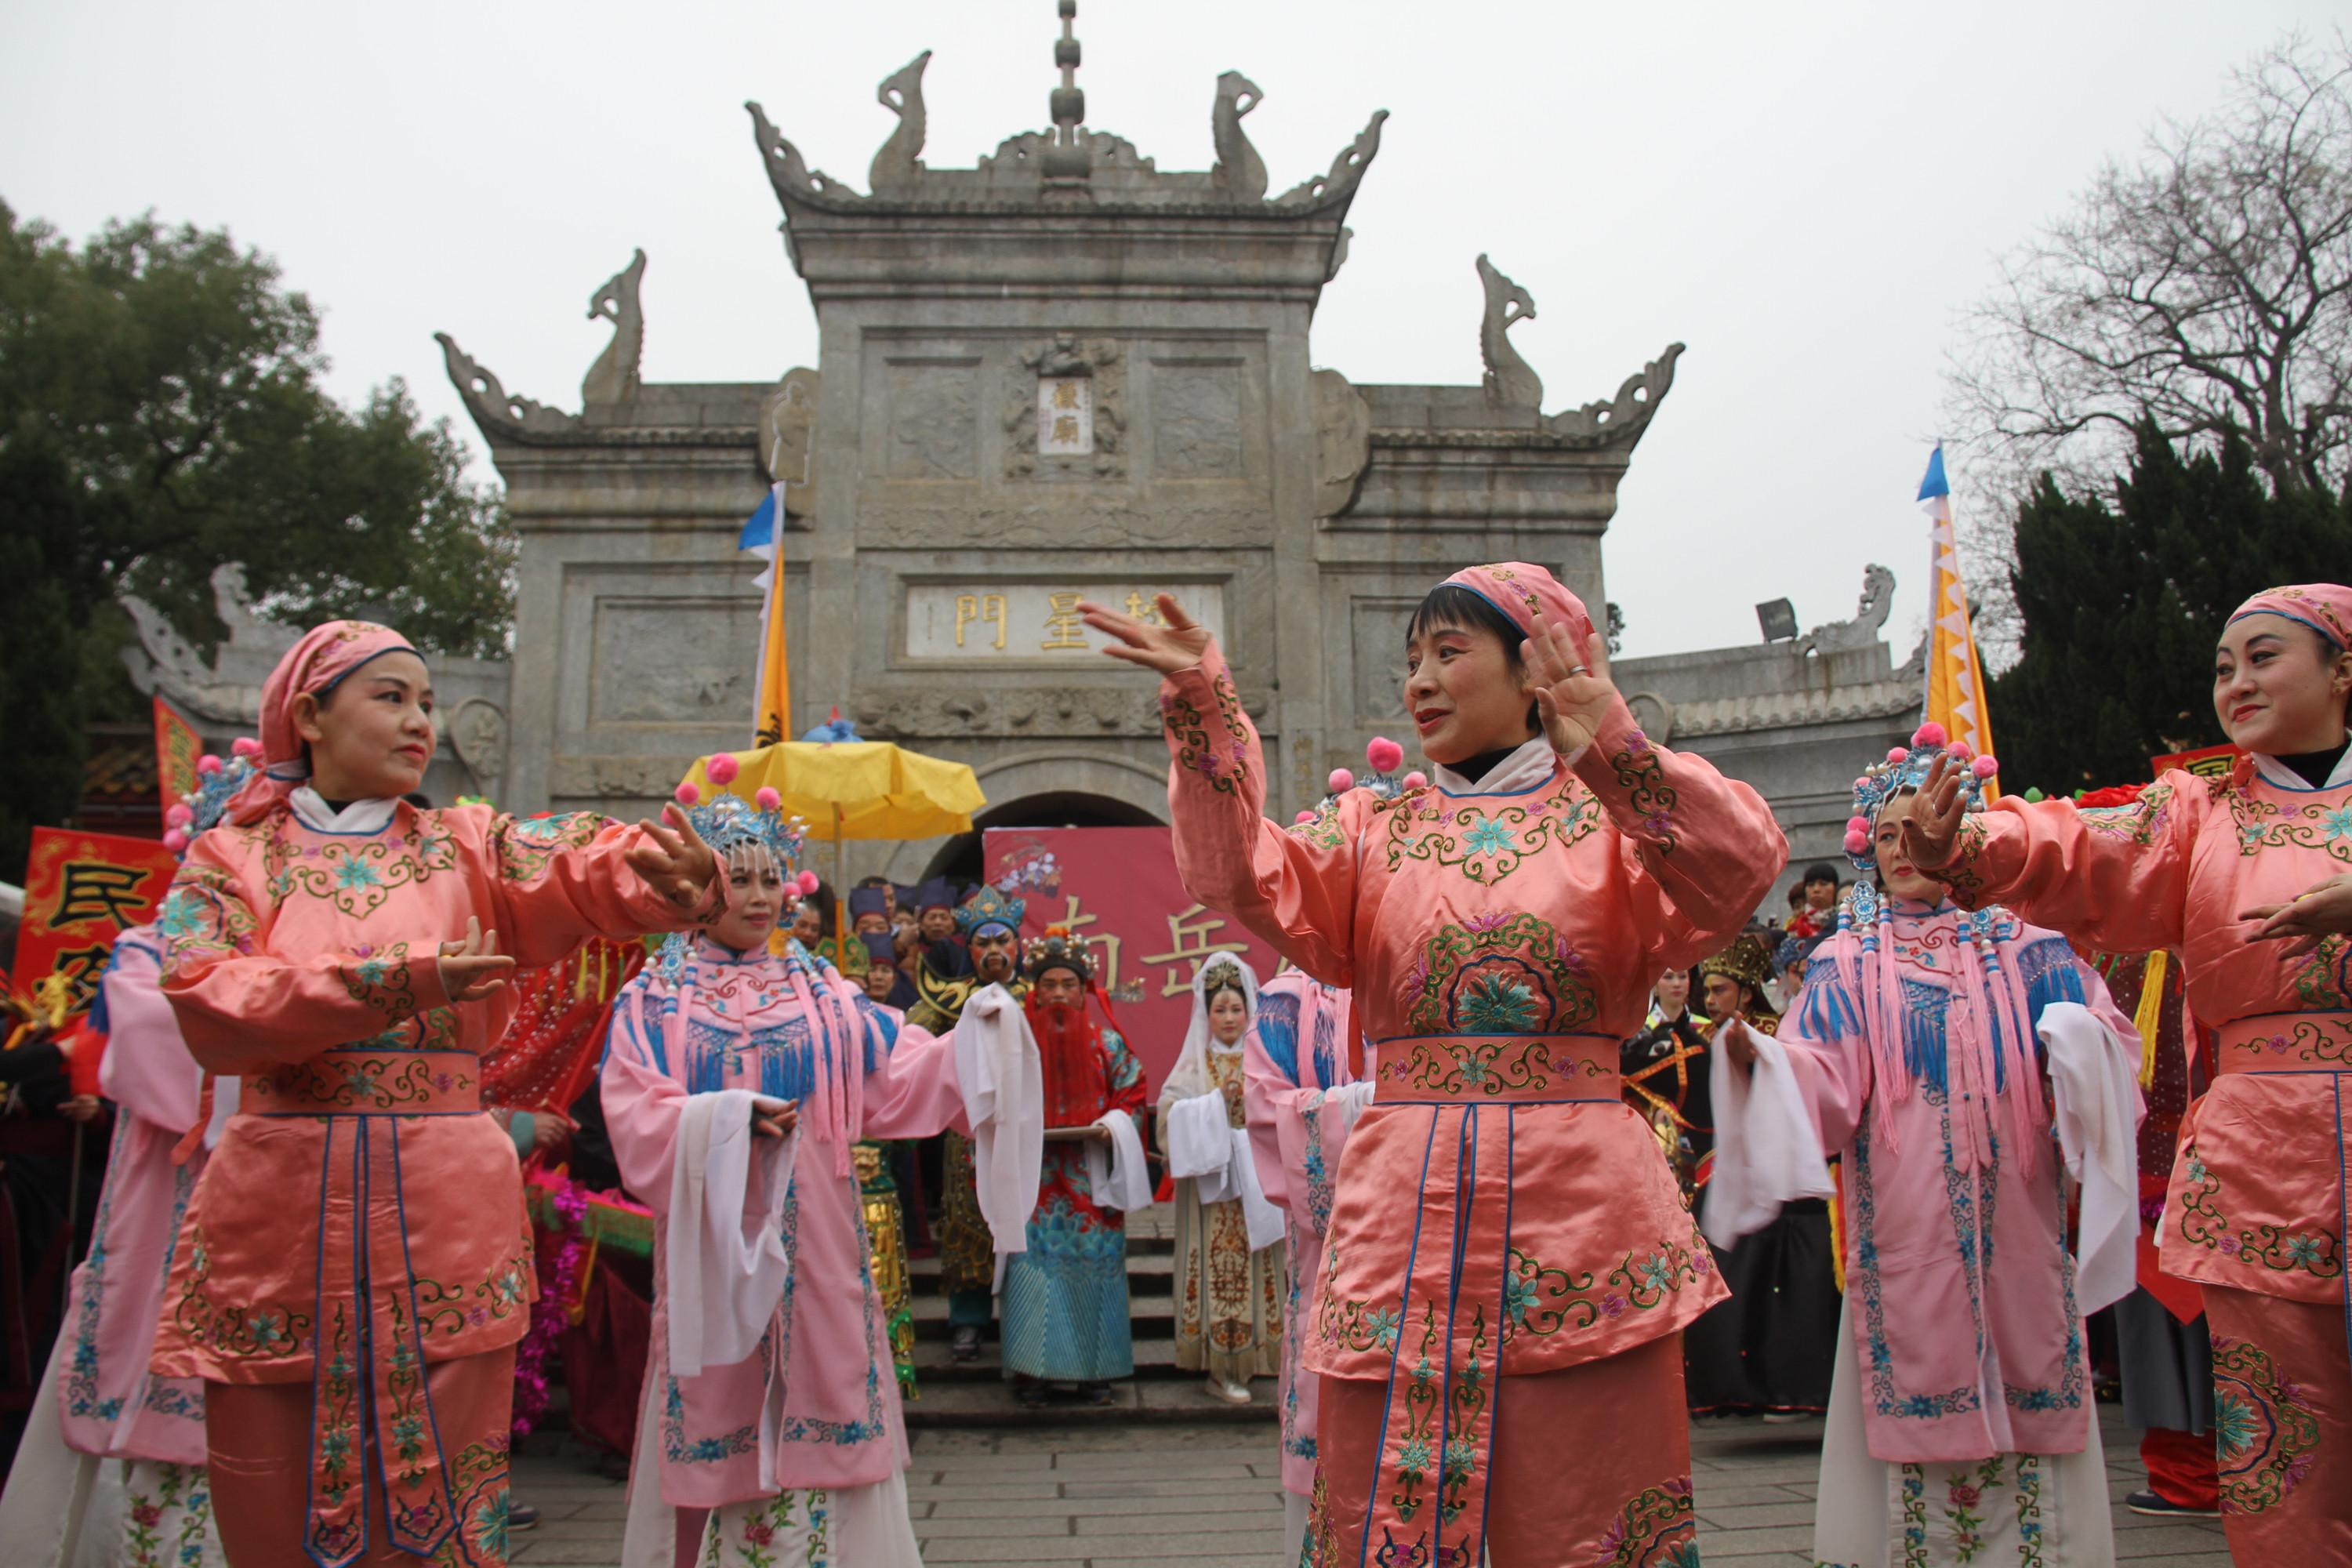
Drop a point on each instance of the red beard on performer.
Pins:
(1069, 1051)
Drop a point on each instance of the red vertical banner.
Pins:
(177, 747)
(1117, 889)
(81, 890)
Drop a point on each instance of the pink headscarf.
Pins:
(1518, 590)
(321, 658)
(2325, 607)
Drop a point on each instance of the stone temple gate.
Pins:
(1061, 373)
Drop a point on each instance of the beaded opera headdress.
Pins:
(732, 825)
(217, 783)
(987, 910)
(1059, 948)
(1905, 768)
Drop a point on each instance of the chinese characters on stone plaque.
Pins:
(1035, 622)
(1065, 415)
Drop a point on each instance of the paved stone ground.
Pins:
(1209, 1497)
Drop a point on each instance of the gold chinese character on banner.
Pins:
(1190, 944)
(98, 890)
(985, 609)
(1066, 429)
(1106, 944)
(1065, 394)
(1144, 610)
(1063, 627)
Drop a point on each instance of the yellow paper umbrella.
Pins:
(855, 789)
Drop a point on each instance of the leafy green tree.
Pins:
(161, 413)
(2121, 600)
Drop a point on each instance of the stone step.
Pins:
(1148, 1317)
(1155, 1356)
(989, 1402)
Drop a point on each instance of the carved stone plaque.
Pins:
(1065, 415)
(999, 622)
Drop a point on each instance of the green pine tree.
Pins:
(2120, 603)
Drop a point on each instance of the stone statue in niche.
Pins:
(899, 162)
(613, 377)
(1239, 171)
(788, 439)
(480, 734)
(1511, 383)
(1861, 632)
(1343, 441)
(1064, 410)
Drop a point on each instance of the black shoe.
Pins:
(963, 1343)
(521, 1516)
(2149, 1503)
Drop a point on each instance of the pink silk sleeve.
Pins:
(1832, 1065)
(2112, 877)
(1703, 849)
(1293, 887)
(241, 1011)
(912, 1091)
(641, 1099)
(147, 1070)
(561, 879)
(1276, 1130)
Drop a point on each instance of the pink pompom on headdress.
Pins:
(721, 768)
(687, 795)
(768, 799)
(1341, 781)
(1384, 754)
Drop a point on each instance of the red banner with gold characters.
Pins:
(81, 889)
(2206, 762)
(1117, 889)
(177, 747)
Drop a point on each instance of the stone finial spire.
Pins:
(1066, 159)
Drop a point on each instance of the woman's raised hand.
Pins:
(1931, 829)
(2324, 909)
(1178, 642)
(1570, 684)
(675, 860)
(473, 967)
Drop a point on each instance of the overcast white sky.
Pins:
(1804, 193)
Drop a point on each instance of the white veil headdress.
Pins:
(1189, 1075)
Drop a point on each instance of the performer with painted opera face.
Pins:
(987, 933)
(1973, 1075)
(355, 1264)
(1506, 1253)
(737, 1083)
(2241, 876)
(1065, 1310)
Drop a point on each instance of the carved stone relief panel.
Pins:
(1375, 641)
(934, 418)
(682, 660)
(1064, 410)
(1196, 419)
